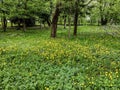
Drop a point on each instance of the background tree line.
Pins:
(25, 13)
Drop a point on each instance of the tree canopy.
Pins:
(98, 11)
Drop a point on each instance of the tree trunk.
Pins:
(44, 24)
(49, 23)
(75, 18)
(103, 16)
(4, 24)
(40, 25)
(69, 23)
(64, 22)
(4, 20)
(18, 27)
(11, 24)
(24, 25)
(55, 20)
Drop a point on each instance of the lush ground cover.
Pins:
(31, 60)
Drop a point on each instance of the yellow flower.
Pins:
(30, 74)
(4, 63)
(46, 88)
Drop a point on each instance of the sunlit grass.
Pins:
(33, 60)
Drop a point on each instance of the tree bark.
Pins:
(49, 23)
(75, 18)
(24, 25)
(11, 24)
(69, 23)
(55, 20)
(103, 17)
(4, 20)
(65, 21)
(4, 24)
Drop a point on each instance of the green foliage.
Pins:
(24, 8)
(5, 7)
(32, 60)
(106, 9)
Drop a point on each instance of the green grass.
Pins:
(32, 60)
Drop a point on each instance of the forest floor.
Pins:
(32, 60)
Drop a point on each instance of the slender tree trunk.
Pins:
(55, 20)
(40, 24)
(79, 21)
(18, 27)
(60, 20)
(75, 18)
(103, 17)
(69, 23)
(49, 23)
(1, 22)
(4, 24)
(24, 25)
(11, 24)
(44, 24)
(64, 21)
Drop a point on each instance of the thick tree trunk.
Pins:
(75, 18)
(55, 20)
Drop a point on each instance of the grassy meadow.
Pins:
(32, 60)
